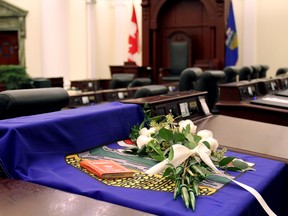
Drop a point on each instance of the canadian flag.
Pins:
(133, 38)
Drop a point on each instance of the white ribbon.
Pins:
(181, 153)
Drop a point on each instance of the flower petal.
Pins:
(143, 140)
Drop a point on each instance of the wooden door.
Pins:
(9, 48)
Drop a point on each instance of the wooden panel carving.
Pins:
(199, 22)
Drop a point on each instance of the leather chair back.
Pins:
(245, 73)
(188, 78)
(281, 71)
(255, 71)
(150, 90)
(263, 71)
(209, 82)
(121, 80)
(231, 73)
(24, 102)
(140, 82)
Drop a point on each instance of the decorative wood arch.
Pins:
(209, 5)
(207, 33)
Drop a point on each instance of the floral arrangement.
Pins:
(185, 156)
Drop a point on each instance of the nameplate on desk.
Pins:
(85, 100)
(181, 104)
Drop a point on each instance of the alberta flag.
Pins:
(231, 40)
(133, 38)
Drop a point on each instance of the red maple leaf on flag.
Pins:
(133, 38)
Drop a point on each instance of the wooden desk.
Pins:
(131, 67)
(90, 84)
(43, 141)
(183, 105)
(56, 81)
(249, 137)
(28, 199)
(237, 100)
(283, 93)
(246, 110)
(80, 98)
(247, 90)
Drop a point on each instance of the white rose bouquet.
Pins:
(185, 155)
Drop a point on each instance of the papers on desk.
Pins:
(272, 101)
(283, 93)
(277, 100)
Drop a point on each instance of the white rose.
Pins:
(205, 134)
(143, 140)
(213, 143)
(144, 131)
(183, 124)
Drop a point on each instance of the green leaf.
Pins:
(199, 170)
(171, 154)
(156, 149)
(207, 144)
(156, 157)
(192, 144)
(192, 162)
(233, 169)
(205, 171)
(186, 130)
(134, 133)
(197, 138)
(142, 150)
(189, 145)
(179, 137)
(166, 134)
(240, 164)
(168, 172)
(225, 161)
(132, 150)
(190, 137)
(142, 125)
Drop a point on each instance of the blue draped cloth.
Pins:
(33, 148)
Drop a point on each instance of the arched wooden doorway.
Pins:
(12, 34)
(198, 23)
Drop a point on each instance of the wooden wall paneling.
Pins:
(146, 33)
(203, 21)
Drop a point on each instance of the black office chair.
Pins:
(121, 80)
(137, 82)
(41, 83)
(209, 82)
(263, 71)
(151, 90)
(231, 73)
(245, 73)
(188, 78)
(24, 102)
(256, 69)
(281, 71)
